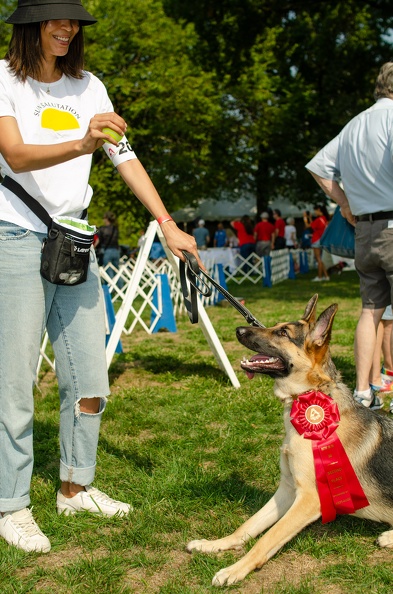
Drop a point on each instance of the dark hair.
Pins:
(323, 209)
(277, 211)
(384, 82)
(247, 222)
(24, 55)
(111, 217)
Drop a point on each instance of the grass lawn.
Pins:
(196, 457)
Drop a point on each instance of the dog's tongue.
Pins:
(249, 374)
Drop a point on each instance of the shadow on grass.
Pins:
(162, 364)
(344, 525)
(46, 448)
(347, 369)
(232, 489)
(46, 452)
(330, 538)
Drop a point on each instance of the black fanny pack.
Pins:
(65, 252)
(65, 256)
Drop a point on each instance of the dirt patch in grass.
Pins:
(290, 568)
(142, 581)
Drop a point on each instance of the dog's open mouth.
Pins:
(262, 364)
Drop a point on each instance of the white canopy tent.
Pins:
(226, 210)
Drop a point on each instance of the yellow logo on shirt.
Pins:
(54, 119)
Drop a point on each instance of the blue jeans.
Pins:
(111, 255)
(245, 251)
(75, 320)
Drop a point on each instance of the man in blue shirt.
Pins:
(355, 170)
(220, 236)
(201, 235)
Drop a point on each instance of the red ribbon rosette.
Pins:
(315, 416)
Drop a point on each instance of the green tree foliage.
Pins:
(228, 95)
(296, 72)
(6, 8)
(171, 106)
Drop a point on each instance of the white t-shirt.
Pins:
(51, 114)
(290, 235)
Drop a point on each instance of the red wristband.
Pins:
(164, 219)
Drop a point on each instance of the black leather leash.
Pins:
(189, 270)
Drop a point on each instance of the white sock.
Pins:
(364, 394)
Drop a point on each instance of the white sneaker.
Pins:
(19, 529)
(316, 279)
(93, 501)
(373, 401)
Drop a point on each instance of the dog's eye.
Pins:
(283, 332)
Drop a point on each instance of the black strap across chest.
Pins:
(31, 202)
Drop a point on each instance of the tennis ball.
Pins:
(112, 133)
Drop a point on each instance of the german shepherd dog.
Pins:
(297, 355)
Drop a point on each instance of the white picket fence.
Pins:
(279, 267)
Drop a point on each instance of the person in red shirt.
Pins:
(245, 234)
(318, 226)
(263, 232)
(278, 238)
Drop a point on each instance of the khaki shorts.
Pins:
(374, 262)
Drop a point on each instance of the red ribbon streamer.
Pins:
(315, 416)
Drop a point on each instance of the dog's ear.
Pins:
(309, 312)
(322, 330)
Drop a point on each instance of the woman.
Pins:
(245, 235)
(52, 116)
(318, 226)
(278, 237)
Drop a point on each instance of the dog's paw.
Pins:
(203, 546)
(214, 546)
(386, 539)
(199, 545)
(229, 576)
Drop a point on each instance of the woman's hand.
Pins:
(177, 240)
(95, 137)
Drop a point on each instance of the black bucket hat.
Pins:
(36, 11)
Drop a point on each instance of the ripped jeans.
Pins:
(75, 320)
